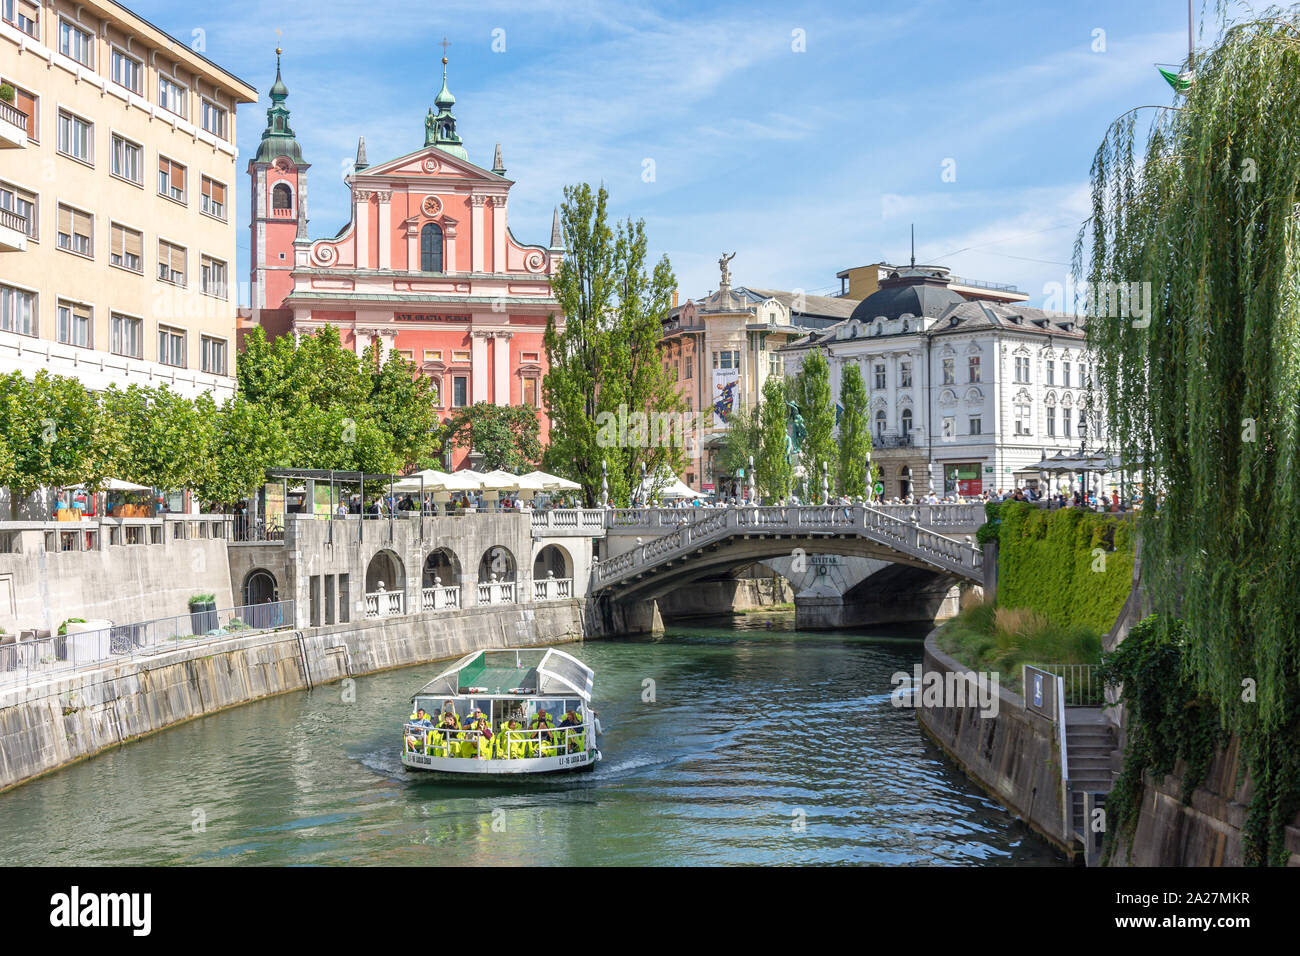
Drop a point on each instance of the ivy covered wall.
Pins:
(1049, 561)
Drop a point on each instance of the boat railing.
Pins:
(533, 741)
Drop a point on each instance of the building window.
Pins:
(76, 137)
(24, 14)
(1065, 423)
(23, 202)
(973, 368)
(171, 179)
(26, 103)
(125, 335)
(214, 198)
(213, 355)
(212, 277)
(76, 229)
(214, 119)
(459, 391)
(75, 43)
(880, 423)
(905, 421)
(949, 375)
(1050, 368)
(75, 324)
(773, 365)
(459, 356)
(949, 429)
(530, 392)
(171, 263)
(1051, 421)
(433, 355)
(128, 72)
(172, 96)
(128, 160)
(976, 425)
(281, 197)
(431, 248)
(171, 346)
(1084, 381)
(1022, 369)
(1022, 419)
(905, 375)
(1065, 374)
(126, 247)
(880, 375)
(17, 310)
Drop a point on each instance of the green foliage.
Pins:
(1072, 566)
(505, 435)
(987, 638)
(1204, 389)
(1168, 719)
(7, 93)
(744, 441)
(773, 469)
(813, 396)
(989, 530)
(605, 359)
(855, 434)
(63, 628)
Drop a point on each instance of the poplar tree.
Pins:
(855, 433)
(813, 397)
(773, 467)
(605, 359)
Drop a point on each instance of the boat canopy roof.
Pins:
(512, 673)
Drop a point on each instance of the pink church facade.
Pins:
(427, 266)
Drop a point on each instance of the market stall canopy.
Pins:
(466, 480)
(675, 488)
(428, 480)
(113, 484)
(504, 481)
(551, 482)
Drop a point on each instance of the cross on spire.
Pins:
(444, 44)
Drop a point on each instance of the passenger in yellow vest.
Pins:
(482, 744)
(443, 734)
(545, 746)
(511, 742)
(574, 740)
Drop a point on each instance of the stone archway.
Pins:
(385, 585)
(498, 575)
(552, 574)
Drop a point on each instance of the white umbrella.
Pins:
(551, 482)
(113, 484)
(466, 480)
(504, 481)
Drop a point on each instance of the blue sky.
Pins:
(804, 163)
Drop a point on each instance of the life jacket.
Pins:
(544, 742)
(512, 744)
(436, 743)
(483, 742)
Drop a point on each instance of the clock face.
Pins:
(431, 205)
(283, 164)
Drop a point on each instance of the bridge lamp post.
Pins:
(604, 483)
(753, 491)
(826, 489)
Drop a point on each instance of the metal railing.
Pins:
(505, 744)
(22, 661)
(1081, 684)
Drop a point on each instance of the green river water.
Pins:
(763, 745)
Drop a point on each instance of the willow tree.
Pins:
(1192, 255)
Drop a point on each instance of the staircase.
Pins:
(1089, 741)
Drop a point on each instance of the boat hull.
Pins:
(468, 766)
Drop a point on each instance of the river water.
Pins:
(762, 745)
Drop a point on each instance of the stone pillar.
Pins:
(479, 383)
(501, 368)
(448, 247)
(477, 238)
(498, 233)
(385, 229)
(361, 216)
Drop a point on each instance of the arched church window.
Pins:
(431, 248)
(281, 197)
(907, 421)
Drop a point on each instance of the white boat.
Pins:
(504, 712)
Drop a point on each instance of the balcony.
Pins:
(891, 441)
(13, 231)
(13, 126)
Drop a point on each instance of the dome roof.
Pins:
(915, 294)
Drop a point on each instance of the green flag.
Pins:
(1180, 83)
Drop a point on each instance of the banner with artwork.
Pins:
(726, 385)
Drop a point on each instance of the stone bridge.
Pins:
(727, 538)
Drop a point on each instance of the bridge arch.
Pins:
(497, 564)
(440, 563)
(386, 568)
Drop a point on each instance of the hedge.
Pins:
(1046, 562)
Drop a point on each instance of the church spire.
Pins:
(440, 128)
(278, 138)
(498, 166)
(557, 236)
(361, 162)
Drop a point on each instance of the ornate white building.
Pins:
(965, 395)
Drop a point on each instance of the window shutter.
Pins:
(117, 242)
(27, 103)
(81, 223)
(133, 243)
(177, 261)
(65, 220)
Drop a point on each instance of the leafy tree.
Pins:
(48, 425)
(813, 396)
(402, 404)
(505, 435)
(743, 442)
(855, 433)
(604, 362)
(773, 467)
(246, 441)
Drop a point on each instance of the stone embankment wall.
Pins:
(1013, 756)
(67, 718)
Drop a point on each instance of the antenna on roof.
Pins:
(913, 245)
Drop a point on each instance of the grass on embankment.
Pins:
(988, 638)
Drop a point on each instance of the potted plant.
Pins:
(61, 637)
(6, 93)
(203, 613)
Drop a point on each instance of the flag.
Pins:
(1181, 82)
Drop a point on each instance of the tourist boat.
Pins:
(535, 706)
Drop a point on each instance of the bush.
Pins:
(7, 93)
(988, 531)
